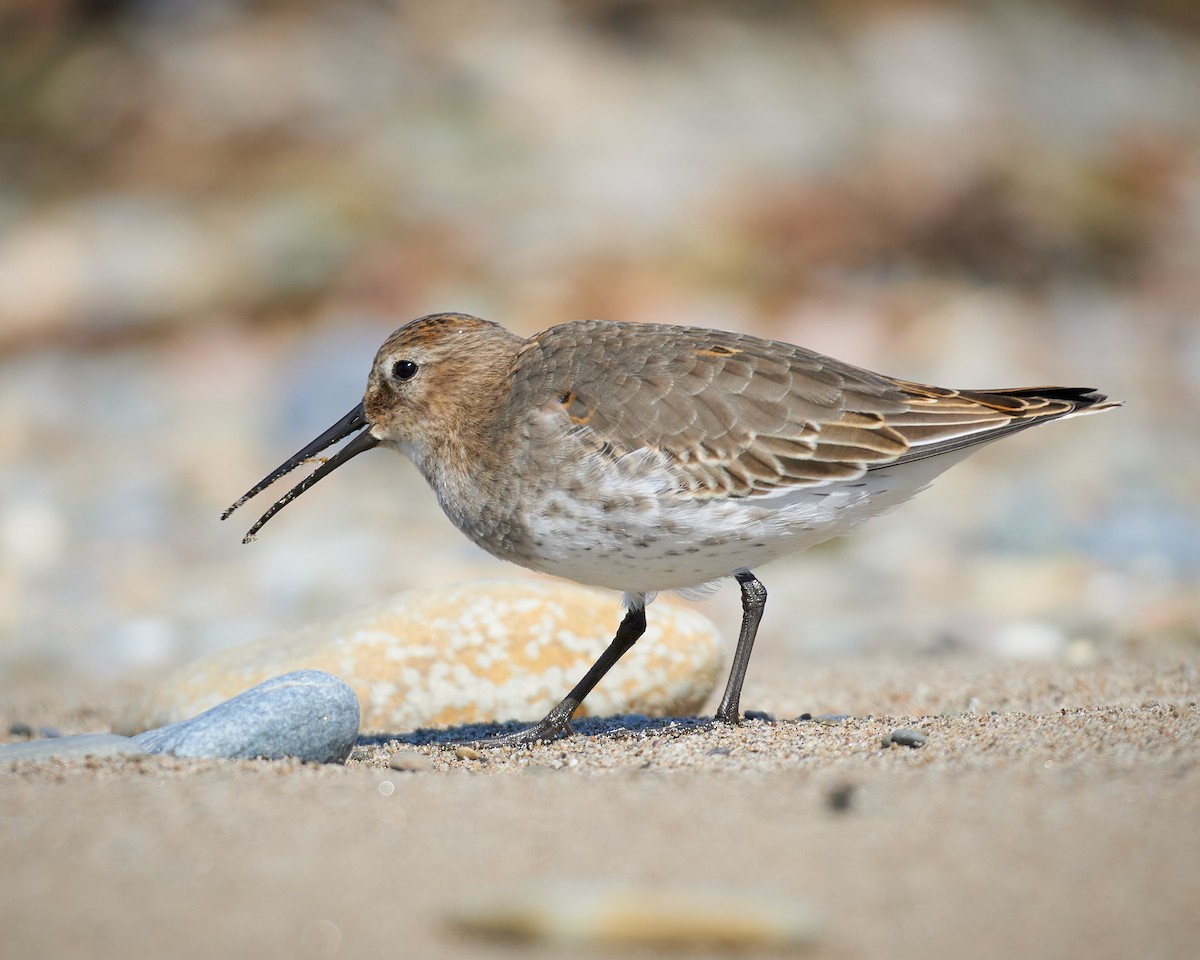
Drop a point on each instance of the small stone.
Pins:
(80, 745)
(832, 719)
(306, 714)
(20, 730)
(477, 652)
(805, 716)
(463, 752)
(577, 915)
(759, 715)
(904, 738)
(407, 760)
(841, 796)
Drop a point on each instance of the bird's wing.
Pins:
(733, 415)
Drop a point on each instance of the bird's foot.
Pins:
(728, 713)
(553, 726)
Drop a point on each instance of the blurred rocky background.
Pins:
(212, 212)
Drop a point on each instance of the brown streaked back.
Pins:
(737, 415)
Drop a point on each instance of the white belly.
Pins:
(666, 542)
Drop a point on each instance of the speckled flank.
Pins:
(472, 652)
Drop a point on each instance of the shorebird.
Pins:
(647, 458)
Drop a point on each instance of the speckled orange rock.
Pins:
(481, 651)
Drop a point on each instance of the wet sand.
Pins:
(1065, 823)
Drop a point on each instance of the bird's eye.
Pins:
(404, 369)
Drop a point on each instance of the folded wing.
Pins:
(727, 414)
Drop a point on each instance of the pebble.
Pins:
(477, 652)
(463, 752)
(904, 737)
(79, 745)
(591, 915)
(832, 719)
(308, 715)
(841, 797)
(407, 760)
(305, 714)
(759, 715)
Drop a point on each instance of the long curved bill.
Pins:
(355, 420)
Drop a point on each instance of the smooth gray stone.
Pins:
(409, 760)
(832, 719)
(307, 714)
(905, 738)
(80, 745)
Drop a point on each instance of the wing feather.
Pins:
(732, 415)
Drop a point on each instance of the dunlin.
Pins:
(644, 457)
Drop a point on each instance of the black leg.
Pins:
(754, 599)
(557, 723)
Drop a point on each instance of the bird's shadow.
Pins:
(481, 734)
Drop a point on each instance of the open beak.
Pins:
(352, 421)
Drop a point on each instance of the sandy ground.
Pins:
(1054, 812)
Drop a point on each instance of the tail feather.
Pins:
(1081, 398)
(996, 414)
